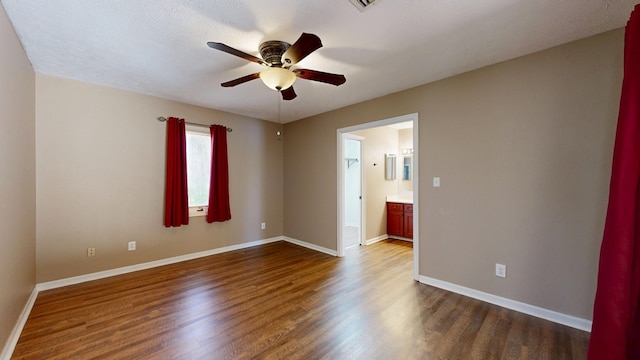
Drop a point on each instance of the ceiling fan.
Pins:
(278, 56)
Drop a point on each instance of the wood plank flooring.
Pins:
(282, 301)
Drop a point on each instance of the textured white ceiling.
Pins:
(158, 47)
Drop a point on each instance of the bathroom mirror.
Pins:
(389, 166)
(406, 168)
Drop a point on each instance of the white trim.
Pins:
(172, 260)
(148, 265)
(194, 211)
(413, 117)
(401, 238)
(12, 341)
(554, 316)
(378, 123)
(564, 319)
(362, 226)
(385, 237)
(340, 193)
(376, 239)
(310, 246)
(416, 196)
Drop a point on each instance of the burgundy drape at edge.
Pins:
(615, 333)
(176, 203)
(219, 209)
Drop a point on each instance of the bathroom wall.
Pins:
(405, 141)
(378, 142)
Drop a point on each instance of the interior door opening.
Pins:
(350, 231)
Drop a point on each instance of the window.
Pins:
(198, 168)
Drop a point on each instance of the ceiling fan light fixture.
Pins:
(278, 78)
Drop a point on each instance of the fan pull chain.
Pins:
(279, 108)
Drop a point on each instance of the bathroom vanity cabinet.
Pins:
(400, 220)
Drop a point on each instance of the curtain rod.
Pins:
(163, 119)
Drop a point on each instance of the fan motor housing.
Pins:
(271, 51)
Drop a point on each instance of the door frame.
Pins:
(416, 182)
(363, 217)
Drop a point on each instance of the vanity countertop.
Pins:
(400, 199)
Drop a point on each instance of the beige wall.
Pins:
(377, 142)
(523, 149)
(17, 178)
(100, 164)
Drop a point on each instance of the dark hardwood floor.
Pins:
(282, 301)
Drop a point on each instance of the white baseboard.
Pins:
(12, 341)
(310, 246)
(403, 238)
(148, 265)
(376, 239)
(385, 237)
(556, 317)
(172, 260)
(550, 315)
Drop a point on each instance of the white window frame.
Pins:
(195, 211)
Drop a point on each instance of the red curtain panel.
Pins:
(615, 333)
(176, 203)
(219, 209)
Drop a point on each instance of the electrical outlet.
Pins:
(91, 251)
(263, 226)
(501, 270)
(132, 245)
(436, 182)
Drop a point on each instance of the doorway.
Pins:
(352, 233)
(342, 193)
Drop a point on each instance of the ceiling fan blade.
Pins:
(288, 93)
(241, 80)
(305, 45)
(333, 79)
(229, 50)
